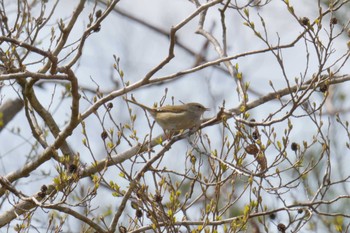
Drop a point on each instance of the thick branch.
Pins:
(8, 110)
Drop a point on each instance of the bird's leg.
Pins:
(168, 134)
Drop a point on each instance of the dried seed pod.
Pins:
(98, 14)
(139, 213)
(281, 227)
(104, 135)
(252, 149)
(305, 21)
(334, 20)
(72, 168)
(43, 188)
(261, 159)
(110, 105)
(255, 134)
(158, 198)
(122, 229)
(294, 146)
(323, 87)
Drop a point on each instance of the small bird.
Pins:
(176, 117)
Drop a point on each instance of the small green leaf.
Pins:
(279, 145)
(246, 12)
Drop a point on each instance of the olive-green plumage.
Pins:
(176, 117)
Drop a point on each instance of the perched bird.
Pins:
(176, 117)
